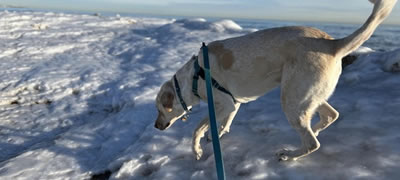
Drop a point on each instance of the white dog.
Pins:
(304, 61)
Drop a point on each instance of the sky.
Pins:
(349, 11)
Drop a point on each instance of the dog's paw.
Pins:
(197, 151)
(198, 154)
(284, 155)
(281, 155)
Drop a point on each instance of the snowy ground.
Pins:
(77, 99)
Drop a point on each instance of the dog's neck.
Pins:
(185, 79)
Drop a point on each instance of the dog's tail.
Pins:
(382, 9)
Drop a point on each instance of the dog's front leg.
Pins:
(197, 135)
(225, 125)
(225, 112)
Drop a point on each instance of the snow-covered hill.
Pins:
(77, 99)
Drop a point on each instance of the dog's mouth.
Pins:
(162, 127)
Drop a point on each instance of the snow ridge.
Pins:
(77, 99)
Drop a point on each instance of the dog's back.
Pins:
(256, 60)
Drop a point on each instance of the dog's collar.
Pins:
(179, 94)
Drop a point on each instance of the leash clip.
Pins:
(185, 117)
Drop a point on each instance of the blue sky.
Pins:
(304, 10)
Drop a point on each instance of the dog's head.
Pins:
(169, 108)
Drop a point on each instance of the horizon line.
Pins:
(172, 15)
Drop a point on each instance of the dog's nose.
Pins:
(159, 126)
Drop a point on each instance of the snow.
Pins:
(77, 99)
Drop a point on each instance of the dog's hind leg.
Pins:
(327, 115)
(299, 116)
(303, 90)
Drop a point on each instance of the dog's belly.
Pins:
(248, 89)
(252, 79)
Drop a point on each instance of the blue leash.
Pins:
(211, 110)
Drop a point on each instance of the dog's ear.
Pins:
(167, 98)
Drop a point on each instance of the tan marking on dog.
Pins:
(224, 56)
(167, 97)
(167, 100)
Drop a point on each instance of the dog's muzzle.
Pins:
(160, 126)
